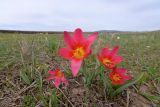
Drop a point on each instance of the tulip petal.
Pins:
(114, 50)
(117, 59)
(100, 58)
(110, 66)
(66, 53)
(91, 39)
(121, 70)
(118, 82)
(127, 77)
(88, 52)
(105, 52)
(78, 35)
(57, 83)
(51, 72)
(68, 40)
(49, 78)
(65, 81)
(75, 66)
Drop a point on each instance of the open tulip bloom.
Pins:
(109, 57)
(58, 77)
(118, 76)
(78, 48)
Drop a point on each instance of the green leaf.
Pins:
(106, 81)
(107, 84)
(25, 78)
(151, 97)
(39, 80)
(97, 63)
(28, 101)
(53, 100)
(120, 89)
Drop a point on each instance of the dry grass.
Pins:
(26, 58)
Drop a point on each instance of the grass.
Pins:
(26, 58)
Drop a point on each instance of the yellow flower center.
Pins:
(79, 53)
(59, 73)
(106, 61)
(116, 77)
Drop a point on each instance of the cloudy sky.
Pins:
(90, 15)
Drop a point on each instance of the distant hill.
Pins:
(157, 31)
(110, 31)
(59, 32)
(117, 31)
(30, 32)
(114, 31)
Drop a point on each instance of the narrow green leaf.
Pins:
(106, 81)
(151, 97)
(39, 80)
(25, 78)
(107, 84)
(120, 89)
(53, 100)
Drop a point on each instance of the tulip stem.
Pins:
(66, 97)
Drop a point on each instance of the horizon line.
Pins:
(45, 31)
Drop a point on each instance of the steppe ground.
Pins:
(26, 58)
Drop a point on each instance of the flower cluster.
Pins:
(110, 58)
(79, 48)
